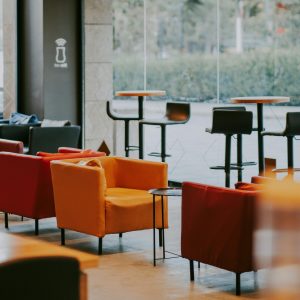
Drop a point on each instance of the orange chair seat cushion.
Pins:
(131, 209)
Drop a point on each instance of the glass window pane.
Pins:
(128, 43)
(182, 49)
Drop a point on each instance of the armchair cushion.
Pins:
(55, 123)
(18, 118)
(82, 154)
(130, 209)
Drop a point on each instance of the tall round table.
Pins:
(260, 101)
(140, 94)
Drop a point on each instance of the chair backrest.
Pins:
(232, 121)
(178, 111)
(240, 108)
(218, 225)
(49, 139)
(16, 132)
(11, 146)
(41, 278)
(292, 124)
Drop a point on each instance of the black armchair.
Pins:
(40, 278)
(16, 132)
(49, 139)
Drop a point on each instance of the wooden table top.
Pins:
(140, 93)
(261, 99)
(16, 247)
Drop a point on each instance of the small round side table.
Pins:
(162, 192)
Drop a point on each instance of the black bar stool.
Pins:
(239, 164)
(176, 113)
(229, 122)
(291, 130)
(126, 118)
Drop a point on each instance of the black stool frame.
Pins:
(118, 117)
(176, 114)
(231, 121)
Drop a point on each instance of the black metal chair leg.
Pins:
(120, 235)
(290, 151)
(141, 141)
(163, 143)
(198, 264)
(6, 220)
(100, 246)
(22, 218)
(238, 284)
(192, 276)
(239, 156)
(227, 160)
(126, 138)
(160, 237)
(62, 236)
(36, 227)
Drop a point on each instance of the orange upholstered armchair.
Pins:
(110, 198)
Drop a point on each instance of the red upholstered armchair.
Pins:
(26, 184)
(217, 228)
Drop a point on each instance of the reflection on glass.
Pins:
(259, 46)
(128, 43)
(182, 49)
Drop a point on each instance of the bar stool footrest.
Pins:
(158, 154)
(223, 168)
(246, 164)
(133, 148)
(285, 170)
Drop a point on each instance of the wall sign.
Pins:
(60, 57)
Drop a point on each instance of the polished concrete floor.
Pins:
(126, 270)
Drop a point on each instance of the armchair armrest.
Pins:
(141, 174)
(79, 197)
(15, 132)
(69, 150)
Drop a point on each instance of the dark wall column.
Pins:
(50, 73)
(30, 63)
(62, 60)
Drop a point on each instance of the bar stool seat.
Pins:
(291, 130)
(176, 114)
(126, 118)
(230, 121)
(163, 121)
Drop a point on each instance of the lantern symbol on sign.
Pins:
(60, 57)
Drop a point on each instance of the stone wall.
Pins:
(10, 55)
(98, 72)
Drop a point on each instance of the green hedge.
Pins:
(194, 77)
